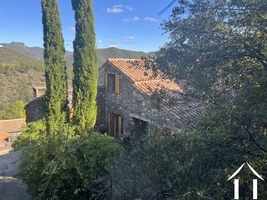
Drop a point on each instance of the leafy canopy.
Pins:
(219, 49)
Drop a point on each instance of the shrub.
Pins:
(30, 133)
(13, 111)
(55, 167)
(153, 169)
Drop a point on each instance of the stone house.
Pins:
(131, 99)
(35, 108)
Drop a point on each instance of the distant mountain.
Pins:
(10, 57)
(112, 52)
(33, 52)
(18, 75)
(103, 54)
(22, 67)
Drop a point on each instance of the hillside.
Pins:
(112, 52)
(103, 54)
(21, 68)
(33, 52)
(12, 58)
(18, 74)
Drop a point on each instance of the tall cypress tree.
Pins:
(84, 66)
(55, 71)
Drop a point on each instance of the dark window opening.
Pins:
(111, 82)
(139, 127)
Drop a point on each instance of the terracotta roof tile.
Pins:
(4, 138)
(173, 102)
(133, 68)
(11, 126)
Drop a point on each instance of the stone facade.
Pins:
(134, 104)
(35, 110)
(126, 103)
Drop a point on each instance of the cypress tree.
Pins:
(56, 97)
(84, 66)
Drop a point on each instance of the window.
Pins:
(139, 126)
(112, 83)
(114, 125)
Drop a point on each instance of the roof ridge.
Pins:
(2, 120)
(124, 59)
(152, 80)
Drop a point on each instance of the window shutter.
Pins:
(119, 126)
(106, 82)
(159, 129)
(117, 84)
(110, 125)
(98, 115)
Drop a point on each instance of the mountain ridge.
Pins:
(22, 68)
(103, 54)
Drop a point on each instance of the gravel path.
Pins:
(10, 187)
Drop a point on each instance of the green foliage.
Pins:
(30, 133)
(156, 168)
(18, 86)
(13, 111)
(57, 168)
(55, 71)
(11, 60)
(84, 67)
(219, 48)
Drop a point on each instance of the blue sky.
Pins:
(126, 24)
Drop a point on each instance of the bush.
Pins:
(153, 169)
(55, 167)
(13, 111)
(30, 133)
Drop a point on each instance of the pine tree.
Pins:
(55, 71)
(84, 66)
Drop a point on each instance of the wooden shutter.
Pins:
(106, 82)
(117, 84)
(110, 124)
(98, 114)
(119, 127)
(159, 130)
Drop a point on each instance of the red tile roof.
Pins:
(146, 82)
(4, 137)
(134, 69)
(12, 125)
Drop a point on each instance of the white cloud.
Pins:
(115, 9)
(131, 19)
(128, 37)
(113, 45)
(129, 8)
(151, 19)
(71, 29)
(99, 41)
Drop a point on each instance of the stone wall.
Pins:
(132, 104)
(35, 110)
